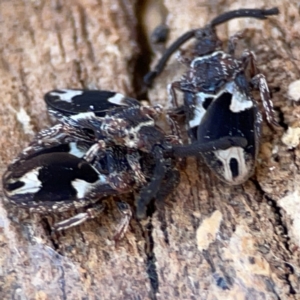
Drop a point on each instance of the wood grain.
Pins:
(223, 242)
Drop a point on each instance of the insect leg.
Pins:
(119, 176)
(125, 210)
(90, 213)
(148, 192)
(135, 165)
(259, 81)
(172, 178)
(233, 41)
(94, 150)
(172, 94)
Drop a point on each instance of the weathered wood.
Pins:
(224, 242)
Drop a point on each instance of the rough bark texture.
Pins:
(223, 242)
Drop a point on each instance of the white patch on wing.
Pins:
(239, 101)
(117, 99)
(198, 115)
(82, 187)
(68, 95)
(199, 110)
(31, 183)
(74, 150)
(85, 115)
(224, 156)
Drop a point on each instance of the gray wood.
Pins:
(244, 239)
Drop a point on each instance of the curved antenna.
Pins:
(149, 77)
(245, 13)
(240, 13)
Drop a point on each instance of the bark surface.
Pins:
(223, 242)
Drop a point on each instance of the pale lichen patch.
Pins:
(291, 205)
(294, 90)
(24, 119)
(291, 137)
(207, 231)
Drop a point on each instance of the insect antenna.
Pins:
(244, 13)
(205, 32)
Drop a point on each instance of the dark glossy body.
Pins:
(218, 101)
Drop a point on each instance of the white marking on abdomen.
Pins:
(74, 150)
(198, 115)
(82, 187)
(117, 99)
(233, 153)
(31, 183)
(84, 116)
(239, 101)
(199, 110)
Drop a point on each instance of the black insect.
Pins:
(113, 119)
(218, 99)
(90, 155)
(64, 166)
(58, 179)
